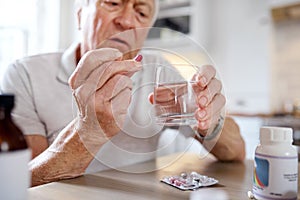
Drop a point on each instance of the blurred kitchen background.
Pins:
(255, 45)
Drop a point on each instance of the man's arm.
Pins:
(37, 144)
(67, 157)
(229, 145)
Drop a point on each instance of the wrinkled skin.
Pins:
(103, 93)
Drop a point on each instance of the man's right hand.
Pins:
(102, 87)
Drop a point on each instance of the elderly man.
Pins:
(69, 139)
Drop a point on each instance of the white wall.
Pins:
(239, 44)
(47, 28)
(259, 59)
(27, 28)
(68, 24)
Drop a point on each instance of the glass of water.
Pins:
(175, 94)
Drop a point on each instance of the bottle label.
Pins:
(14, 174)
(275, 177)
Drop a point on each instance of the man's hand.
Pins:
(225, 141)
(210, 100)
(229, 145)
(102, 87)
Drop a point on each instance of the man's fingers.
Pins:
(89, 62)
(111, 90)
(151, 97)
(205, 74)
(205, 96)
(203, 114)
(103, 73)
(112, 101)
(127, 68)
(204, 125)
(117, 84)
(169, 93)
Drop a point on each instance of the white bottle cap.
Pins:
(275, 134)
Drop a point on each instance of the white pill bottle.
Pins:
(275, 165)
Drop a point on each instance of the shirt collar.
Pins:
(68, 64)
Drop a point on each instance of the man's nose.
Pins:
(126, 18)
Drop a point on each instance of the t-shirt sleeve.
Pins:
(16, 80)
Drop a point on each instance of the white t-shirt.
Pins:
(44, 106)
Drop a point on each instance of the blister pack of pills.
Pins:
(189, 181)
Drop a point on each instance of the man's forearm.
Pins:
(67, 157)
(229, 145)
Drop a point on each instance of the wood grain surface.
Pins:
(235, 180)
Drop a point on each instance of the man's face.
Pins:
(103, 23)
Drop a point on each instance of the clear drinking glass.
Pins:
(175, 94)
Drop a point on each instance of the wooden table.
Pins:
(235, 180)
